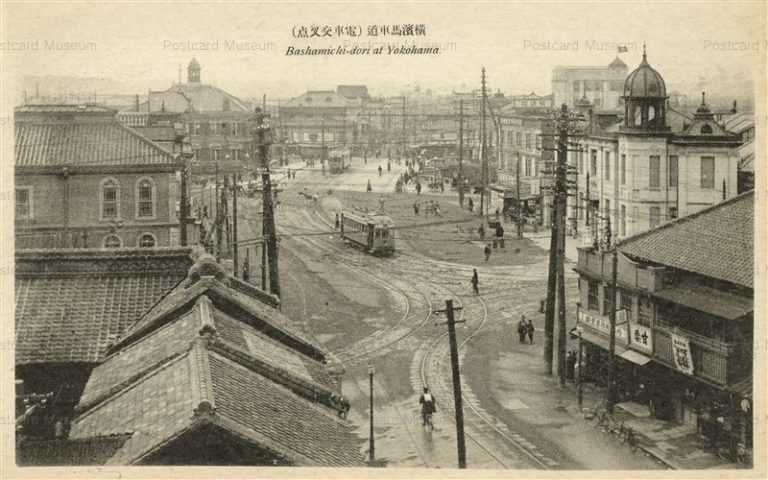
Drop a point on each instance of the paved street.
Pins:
(367, 309)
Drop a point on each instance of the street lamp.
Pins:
(371, 455)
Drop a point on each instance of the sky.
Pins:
(714, 46)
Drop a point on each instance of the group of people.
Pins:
(430, 208)
(525, 329)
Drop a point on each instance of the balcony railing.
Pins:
(631, 274)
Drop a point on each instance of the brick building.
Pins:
(219, 125)
(85, 180)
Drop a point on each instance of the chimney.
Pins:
(137, 102)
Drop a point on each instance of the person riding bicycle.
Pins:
(427, 402)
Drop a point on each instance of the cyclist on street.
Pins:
(427, 402)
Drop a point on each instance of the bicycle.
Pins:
(428, 425)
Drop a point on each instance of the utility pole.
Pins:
(217, 223)
(519, 207)
(457, 400)
(234, 224)
(561, 198)
(270, 235)
(402, 149)
(371, 454)
(612, 318)
(484, 167)
(549, 311)
(460, 180)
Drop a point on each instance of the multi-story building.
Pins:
(220, 125)
(640, 172)
(601, 85)
(525, 145)
(318, 120)
(684, 322)
(83, 180)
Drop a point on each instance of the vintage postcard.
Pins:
(390, 239)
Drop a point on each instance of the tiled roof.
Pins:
(86, 451)
(253, 305)
(84, 142)
(71, 304)
(716, 242)
(320, 99)
(206, 386)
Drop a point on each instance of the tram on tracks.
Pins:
(370, 231)
(339, 160)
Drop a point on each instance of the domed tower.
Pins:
(193, 72)
(645, 100)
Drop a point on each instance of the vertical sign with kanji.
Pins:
(681, 351)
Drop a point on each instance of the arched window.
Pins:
(112, 241)
(145, 198)
(638, 116)
(705, 129)
(109, 199)
(147, 240)
(651, 113)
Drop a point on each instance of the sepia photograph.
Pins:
(514, 238)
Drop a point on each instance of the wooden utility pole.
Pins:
(235, 246)
(270, 234)
(561, 198)
(402, 148)
(519, 206)
(484, 159)
(612, 318)
(217, 222)
(371, 444)
(457, 400)
(460, 180)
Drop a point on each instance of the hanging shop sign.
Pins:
(641, 337)
(681, 349)
(603, 325)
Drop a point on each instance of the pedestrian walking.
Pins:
(416, 208)
(481, 231)
(530, 330)
(522, 329)
(336, 223)
(487, 251)
(368, 188)
(475, 282)
(418, 187)
(380, 170)
(442, 187)
(471, 204)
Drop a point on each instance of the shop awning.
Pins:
(635, 357)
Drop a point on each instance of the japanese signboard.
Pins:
(681, 351)
(641, 337)
(603, 325)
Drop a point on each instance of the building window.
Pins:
(235, 128)
(623, 168)
(592, 295)
(625, 303)
(23, 203)
(214, 128)
(673, 170)
(593, 162)
(197, 128)
(706, 129)
(519, 139)
(644, 311)
(581, 162)
(527, 166)
(110, 199)
(528, 141)
(147, 240)
(607, 165)
(708, 172)
(112, 241)
(145, 198)
(654, 166)
(312, 137)
(655, 217)
(236, 155)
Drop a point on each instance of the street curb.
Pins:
(658, 456)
